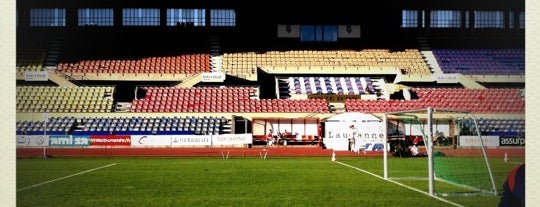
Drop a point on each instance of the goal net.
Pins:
(426, 150)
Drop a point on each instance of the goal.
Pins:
(448, 165)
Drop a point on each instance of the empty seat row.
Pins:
(252, 105)
(493, 126)
(410, 60)
(64, 99)
(155, 125)
(238, 99)
(481, 61)
(474, 100)
(186, 64)
(331, 85)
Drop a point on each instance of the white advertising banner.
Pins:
(213, 77)
(36, 76)
(68, 141)
(60, 140)
(287, 30)
(81, 140)
(446, 78)
(150, 140)
(32, 140)
(349, 31)
(365, 130)
(474, 141)
(232, 139)
(190, 140)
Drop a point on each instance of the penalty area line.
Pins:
(72, 175)
(400, 184)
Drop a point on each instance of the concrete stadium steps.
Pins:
(190, 81)
(60, 79)
(216, 60)
(431, 61)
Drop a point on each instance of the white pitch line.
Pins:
(57, 179)
(400, 184)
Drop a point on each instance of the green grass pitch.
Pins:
(276, 181)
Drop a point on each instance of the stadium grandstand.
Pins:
(226, 73)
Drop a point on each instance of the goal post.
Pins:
(451, 169)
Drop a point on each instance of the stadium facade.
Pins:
(94, 73)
